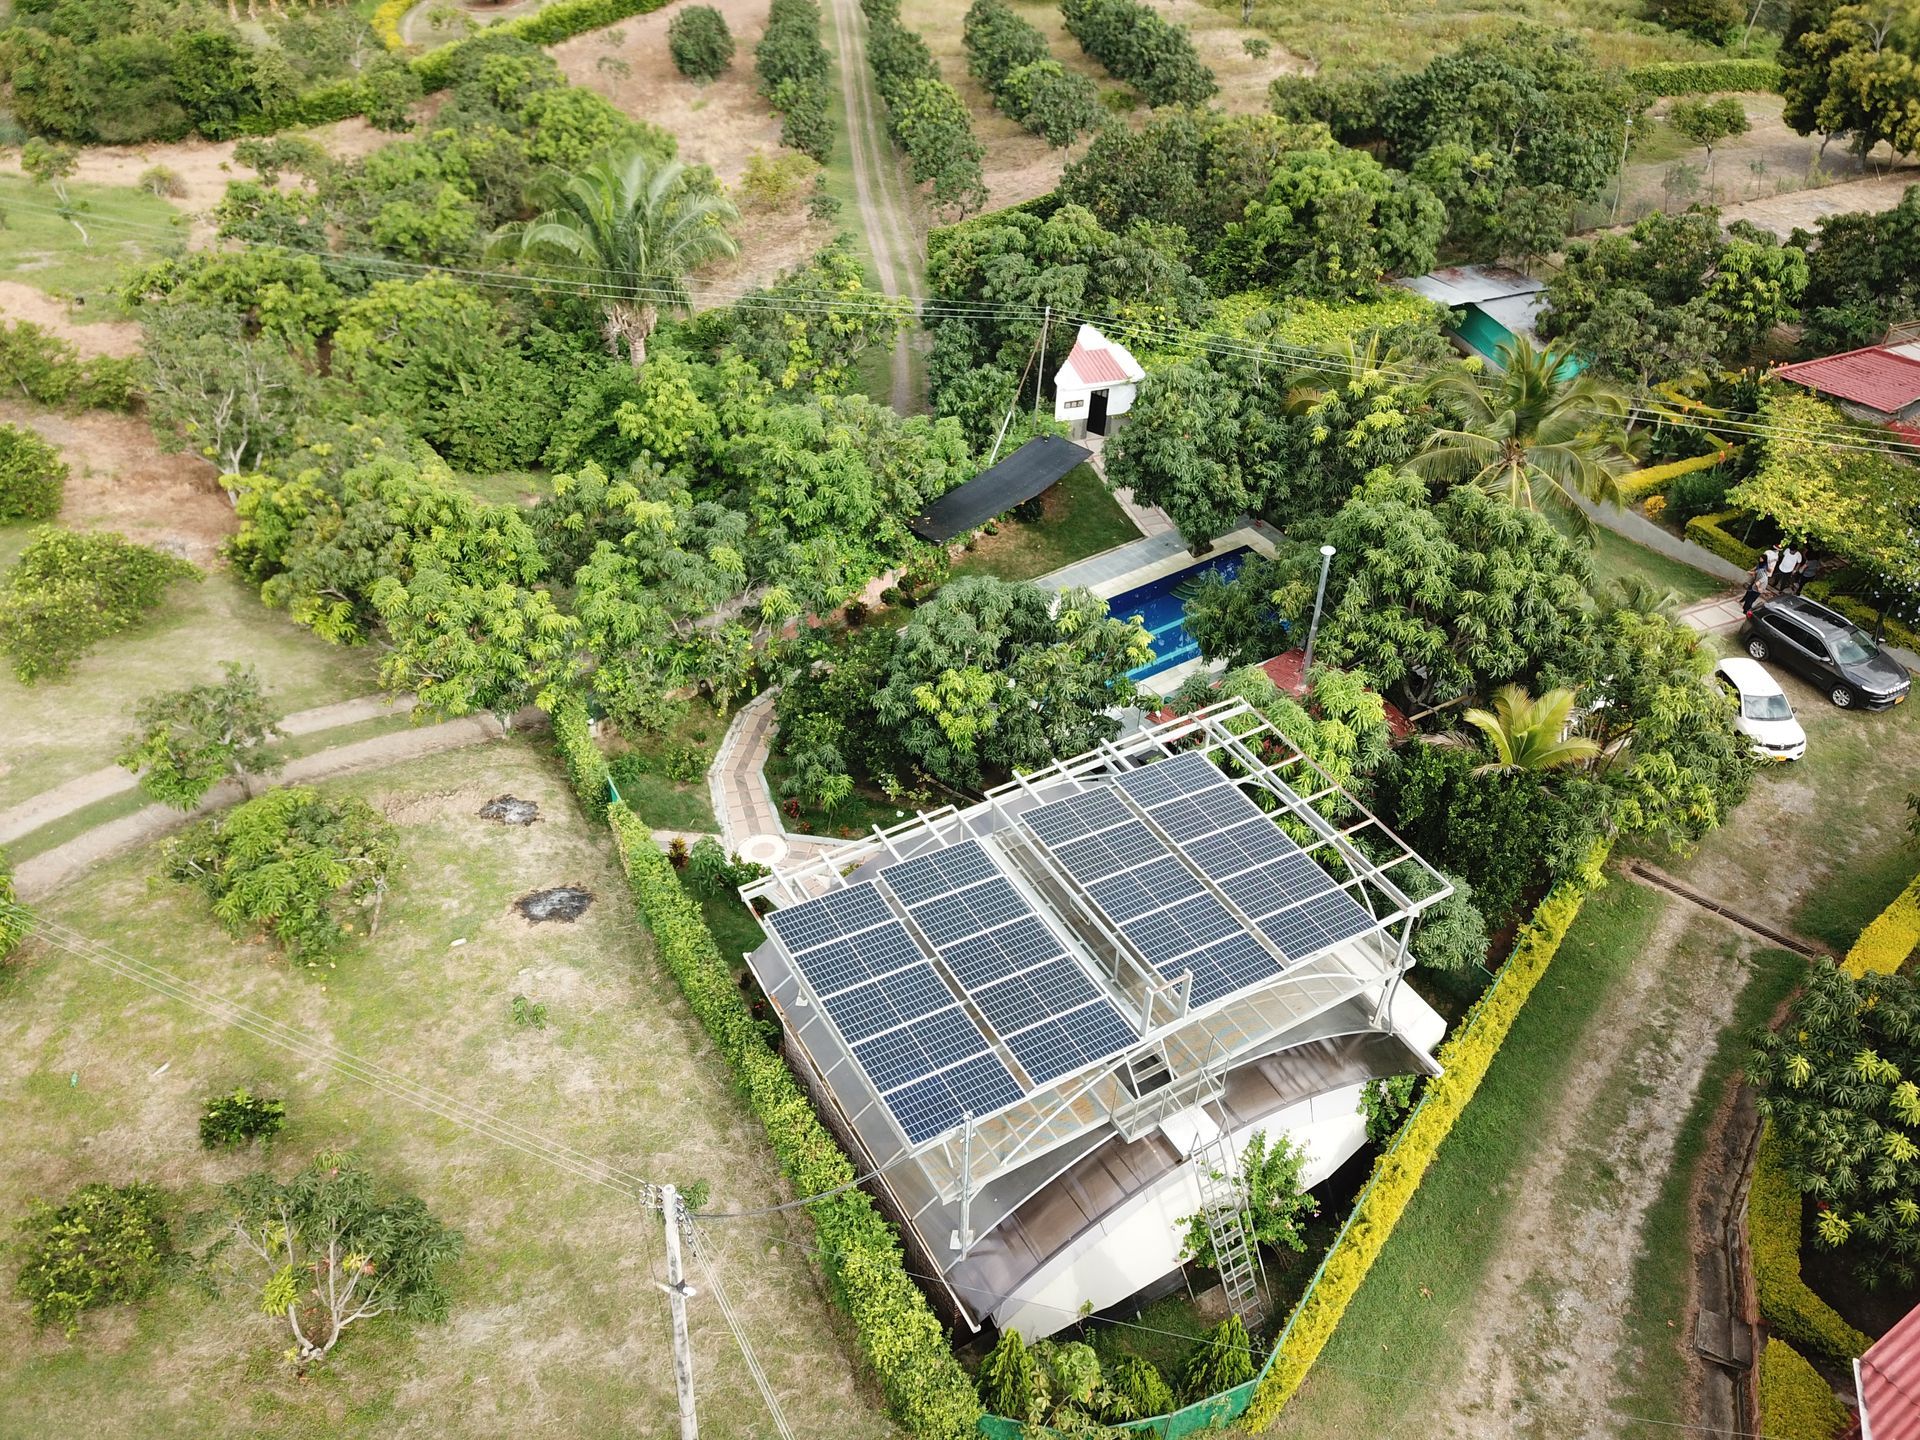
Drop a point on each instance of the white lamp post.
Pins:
(1313, 629)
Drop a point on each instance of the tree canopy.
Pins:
(185, 741)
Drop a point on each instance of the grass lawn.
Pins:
(1079, 518)
(1615, 555)
(1408, 1318)
(126, 227)
(557, 1326)
(643, 771)
(59, 729)
(664, 804)
(1654, 1383)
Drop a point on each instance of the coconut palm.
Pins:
(1536, 434)
(631, 227)
(1530, 734)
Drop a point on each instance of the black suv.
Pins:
(1825, 647)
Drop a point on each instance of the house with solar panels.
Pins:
(1050, 1021)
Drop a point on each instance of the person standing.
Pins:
(1808, 569)
(1756, 582)
(1770, 559)
(1786, 577)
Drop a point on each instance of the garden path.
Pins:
(885, 211)
(749, 821)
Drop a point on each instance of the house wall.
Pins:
(1140, 1242)
(1072, 403)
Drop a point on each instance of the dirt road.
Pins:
(886, 212)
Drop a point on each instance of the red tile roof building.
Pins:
(1884, 379)
(1888, 1380)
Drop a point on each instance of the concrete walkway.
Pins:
(111, 780)
(1149, 520)
(1631, 525)
(46, 872)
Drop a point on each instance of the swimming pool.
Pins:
(1164, 613)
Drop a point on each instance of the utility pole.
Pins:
(1313, 629)
(677, 1292)
(1040, 375)
(1620, 177)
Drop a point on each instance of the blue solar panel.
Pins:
(1162, 883)
(830, 968)
(1164, 779)
(1256, 842)
(1045, 1052)
(935, 1104)
(1078, 815)
(982, 1085)
(1165, 935)
(864, 1011)
(885, 949)
(844, 912)
(1098, 1030)
(927, 876)
(892, 1060)
(947, 1037)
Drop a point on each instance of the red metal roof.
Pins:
(1877, 377)
(1288, 675)
(1889, 1379)
(1095, 364)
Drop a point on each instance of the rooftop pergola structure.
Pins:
(1211, 831)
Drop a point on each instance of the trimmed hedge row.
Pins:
(897, 1332)
(1795, 1402)
(1656, 477)
(325, 104)
(1709, 532)
(1464, 1060)
(386, 22)
(1883, 947)
(586, 767)
(1136, 45)
(1704, 77)
(1787, 1303)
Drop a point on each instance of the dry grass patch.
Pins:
(557, 1326)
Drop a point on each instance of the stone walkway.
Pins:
(749, 820)
(1149, 520)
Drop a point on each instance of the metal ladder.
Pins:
(1223, 1206)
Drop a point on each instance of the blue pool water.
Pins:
(1164, 613)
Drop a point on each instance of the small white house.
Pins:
(1098, 382)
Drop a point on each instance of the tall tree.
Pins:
(632, 227)
(1535, 436)
(184, 741)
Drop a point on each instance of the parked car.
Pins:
(1827, 649)
(1765, 714)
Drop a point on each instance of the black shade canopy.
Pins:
(1018, 478)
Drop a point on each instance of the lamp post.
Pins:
(1313, 629)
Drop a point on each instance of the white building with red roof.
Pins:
(1097, 383)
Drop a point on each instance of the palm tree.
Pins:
(1530, 734)
(1535, 435)
(631, 227)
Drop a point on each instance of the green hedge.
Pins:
(894, 1327)
(13, 919)
(1656, 477)
(327, 103)
(1795, 1402)
(586, 766)
(1861, 613)
(1464, 1060)
(1787, 1304)
(1710, 533)
(1705, 77)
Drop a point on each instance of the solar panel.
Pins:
(935, 1104)
(1045, 1052)
(1163, 780)
(982, 1085)
(982, 959)
(924, 877)
(893, 1059)
(1163, 936)
(1097, 1029)
(813, 923)
(1078, 815)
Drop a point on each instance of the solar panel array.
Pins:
(926, 1057)
(1164, 908)
(1014, 969)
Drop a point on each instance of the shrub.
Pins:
(32, 476)
(1697, 492)
(896, 1330)
(1141, 1385)
(1788, 1303)
(1136, 45)
(1883, 947)
(1463, 1059)
(1709, 21)
(709, 874)
(186, 741)
(47, 369)
(528, 1014)
(700, 43)
(13, 918)
(292, 863)
(1704, 77)
(771, 182)
(926, 117)
(101, 1246)
(386, 22)
(1222, 1359)
(1659, 477)
(1710, 533)
(163, 181)
(1796, 1402)
(70, 590)
(240, 1119)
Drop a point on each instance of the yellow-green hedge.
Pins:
(1704, 77)
(1795, 1402)
(1656, 477)
(1787, 1304)
(1464, 1059)
(586, 766)
(1883, 947)
(386, 22)
(1709, 532)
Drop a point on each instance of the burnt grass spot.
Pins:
(563, 902)
(509, 811)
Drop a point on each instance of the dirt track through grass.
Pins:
(886, 212)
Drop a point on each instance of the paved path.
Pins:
(46, 872)
(885, 211)
(749, 821)
(1147, 519)
(1804, 209)
(103, 784)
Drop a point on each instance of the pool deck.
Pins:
(1142, 561)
